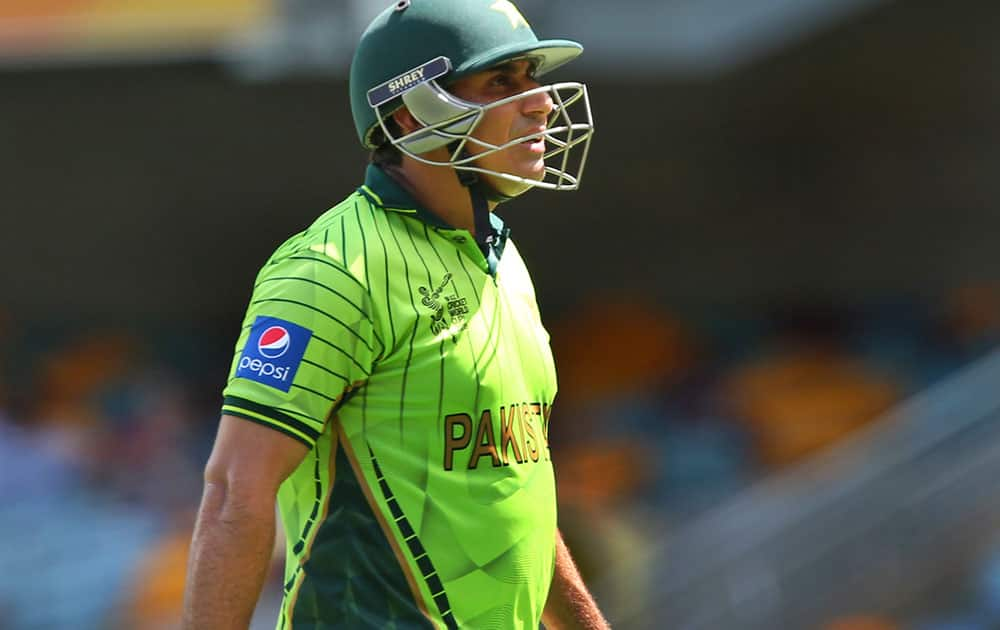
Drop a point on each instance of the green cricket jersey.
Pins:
(419, 374)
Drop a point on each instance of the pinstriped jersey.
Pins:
(417, 371)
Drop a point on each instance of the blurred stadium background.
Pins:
(775, 304)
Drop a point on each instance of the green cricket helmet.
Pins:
(415, 48)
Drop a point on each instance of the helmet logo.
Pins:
(508, 9)
(433, 69)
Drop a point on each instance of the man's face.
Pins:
(501, 124)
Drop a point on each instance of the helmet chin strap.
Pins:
(485, 234)
(481, 195)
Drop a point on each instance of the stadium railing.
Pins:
(882, 522)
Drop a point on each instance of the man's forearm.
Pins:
(570, 604)
(230, 554)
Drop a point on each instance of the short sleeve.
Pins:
(308, 339)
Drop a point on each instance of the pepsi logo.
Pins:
(274, 342)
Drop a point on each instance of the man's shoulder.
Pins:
(328, 226)
(343, 215)
(338, 242)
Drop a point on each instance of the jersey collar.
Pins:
(386, 192)
(381, 189)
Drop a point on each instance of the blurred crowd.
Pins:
(661, 415)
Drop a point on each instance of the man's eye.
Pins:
(500, 80)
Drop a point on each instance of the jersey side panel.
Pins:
(350, 538)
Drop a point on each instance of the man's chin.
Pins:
(535, 171)
(509, 188)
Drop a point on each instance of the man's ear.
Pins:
(407, 123)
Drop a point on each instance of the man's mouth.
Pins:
(535, 143)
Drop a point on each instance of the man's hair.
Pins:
(385, 152)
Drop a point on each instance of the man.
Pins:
(393, 384)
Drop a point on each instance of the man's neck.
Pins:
(438, 190)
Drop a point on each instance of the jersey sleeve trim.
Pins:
(271, 425)
(273, 418)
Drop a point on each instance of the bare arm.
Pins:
(570, 604)
(234, 532)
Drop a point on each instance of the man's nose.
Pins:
(539, 104)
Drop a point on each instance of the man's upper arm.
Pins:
(252, 459)
(308, 339)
